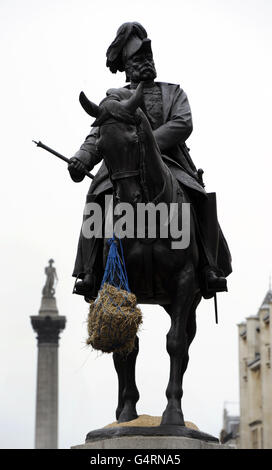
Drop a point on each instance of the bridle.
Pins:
(119, 175)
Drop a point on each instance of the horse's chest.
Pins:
(150, 263)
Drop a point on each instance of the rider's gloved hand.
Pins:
(76, 169)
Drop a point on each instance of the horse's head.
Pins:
(118, 142)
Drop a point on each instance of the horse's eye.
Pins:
(117, 197)
(137, 197)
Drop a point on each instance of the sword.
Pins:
(215, 309)
(57, 154)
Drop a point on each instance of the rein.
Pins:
(118, 175)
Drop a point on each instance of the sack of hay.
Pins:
(113, 320)
(114, 317)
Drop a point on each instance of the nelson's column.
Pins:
(48, 324)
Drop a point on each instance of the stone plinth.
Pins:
(136, 435)
(150, 442)
(48, 306)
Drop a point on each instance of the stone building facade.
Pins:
(230, 431)
(255, 343)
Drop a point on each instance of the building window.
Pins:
(245, 370)
(268, 351)
(254, 438)
(261, 430)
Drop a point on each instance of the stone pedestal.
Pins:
(151, 442)
(133, 436)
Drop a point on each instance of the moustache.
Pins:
(147, 67)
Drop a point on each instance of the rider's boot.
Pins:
(85, 286)
(213, 280)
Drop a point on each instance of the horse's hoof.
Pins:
(118, 412)
(127, 414)
(173, 416)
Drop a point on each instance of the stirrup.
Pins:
(208, 291)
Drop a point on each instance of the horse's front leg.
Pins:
(128, 394)
(177, 345)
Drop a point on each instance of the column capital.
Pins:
(48, 328)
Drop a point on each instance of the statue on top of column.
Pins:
(51, 279)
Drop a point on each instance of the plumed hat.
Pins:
(129, 39)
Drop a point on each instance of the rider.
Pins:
(167, 108)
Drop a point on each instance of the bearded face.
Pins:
(140, 67)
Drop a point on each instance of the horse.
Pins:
(157, 272)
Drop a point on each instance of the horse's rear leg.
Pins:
(128, 394)
(191, 331)
(177, 344)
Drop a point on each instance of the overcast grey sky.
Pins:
(219, 51)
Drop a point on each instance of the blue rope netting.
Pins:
(115, 270)
(114, 317)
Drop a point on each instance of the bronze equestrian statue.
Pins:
(140, 133)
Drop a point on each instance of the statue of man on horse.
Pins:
(168, 111)
(140, 133)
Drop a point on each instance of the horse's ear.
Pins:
(91, 108)
(135, 100)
